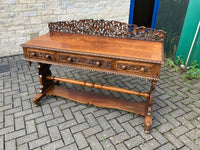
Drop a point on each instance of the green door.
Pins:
(188, 33)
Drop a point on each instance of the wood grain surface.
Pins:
(129, 49)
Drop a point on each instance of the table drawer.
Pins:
(38, 54)
(134, 67)
(74, 59)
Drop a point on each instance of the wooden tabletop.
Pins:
(140, 50)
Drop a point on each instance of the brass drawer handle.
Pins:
(69, 59)
(124, 67)
(47, 56)
(98, 63)
(142, 69)
(33, 54)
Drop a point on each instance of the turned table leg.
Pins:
(149, 109)
(43, 71)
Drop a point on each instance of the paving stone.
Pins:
(112, 115)
(135, 141)
(57, 103)
(53, 145)
(106, 144)
(23, 113)
(136, 121)
(119, 138)
(6, 130)
(39, 142)
(91, 131)
(177, 113)
(43, 118)
(80, 140)
(13, 110)
(172, 120)
(30, 126)
(54, 133)
(15, 134)
(42, 129)
(10, 145)
(152, 144)
(191, 115)
(79, 127)
(88, 110)
(91, 120)
(94, 143)
(55, 122)
(70, 147)
(3, 108)
(105, 134)
(179, 131)
(67, 124)
(87, 148)
(121, 147)
(116, 126)
(46, 109)
(165, 110)
(194, 134)
(129, 129)
(79, 107)
(124, 118)
(1, 143)
(166, 146)
(79, 117)
(9, 120)
(100, 112)
(185, 122)
(188, 142)
(27, 138)
(140, 130)
(68, 114)
(159, 137)
(103, 122)
(67, 136)
(23, 147)
(165, 127)
(174, 140)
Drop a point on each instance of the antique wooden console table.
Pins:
(106, 46)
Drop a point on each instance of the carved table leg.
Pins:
(43, 70)
(149, 109)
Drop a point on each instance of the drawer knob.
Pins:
(98, 63)
(69, 59)
(123, 67)
(142, 69)
(33, 54)
(47, 56)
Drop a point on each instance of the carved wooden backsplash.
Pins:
(108, 28)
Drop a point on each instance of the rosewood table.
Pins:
(105, 46)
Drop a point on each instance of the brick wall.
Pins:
(22, 19)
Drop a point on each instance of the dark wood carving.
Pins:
(135, 68)
(41, 55)
(141, 58)
(149, 110)
(108, 28)
(86, 61)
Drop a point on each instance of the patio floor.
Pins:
(63, 124)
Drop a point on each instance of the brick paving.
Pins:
(63, 124)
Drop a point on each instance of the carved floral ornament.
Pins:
(108, 28)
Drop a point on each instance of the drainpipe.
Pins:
(192, 44)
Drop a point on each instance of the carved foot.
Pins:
(36, 105)
(147, 128)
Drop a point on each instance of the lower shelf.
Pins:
(98, 100)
